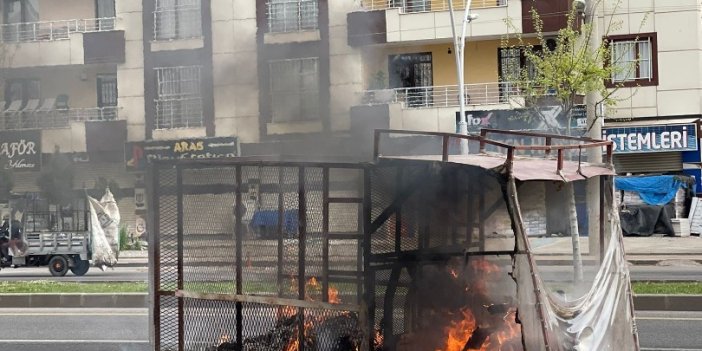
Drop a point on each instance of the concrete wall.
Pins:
(235, 69)
(130, 74)
(408, 27)
(345, 66)
(52, 10)
(481, 61)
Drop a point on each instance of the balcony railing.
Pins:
(58, 118)
(292, 16)
(53, 30)
(443, 96)
(411, 6)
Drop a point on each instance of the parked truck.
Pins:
(34, 233)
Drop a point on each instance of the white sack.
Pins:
(109, 216)
(100, 247)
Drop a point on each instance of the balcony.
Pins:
(394, 21)
(36, 116)
(62, 42)
(442, 96)
(433, 108)
(412, 6)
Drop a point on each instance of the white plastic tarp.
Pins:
(101, 248)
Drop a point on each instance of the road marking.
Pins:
(670, 318)
(78, 314)
(74, 341)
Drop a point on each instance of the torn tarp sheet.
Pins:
(653, 190)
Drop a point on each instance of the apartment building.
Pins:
(115, 84)
(655, 125)
(67, 69)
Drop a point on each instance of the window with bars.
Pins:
(177, 19)
(178, 102)
(292, 15)
(635, 59)
(294, 89)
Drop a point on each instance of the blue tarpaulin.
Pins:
(653, 190)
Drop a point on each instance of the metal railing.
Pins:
(292, 16)
(411, 6)
(53, 30)
(179, 112)
(182, 22)
(443, 96)
(59, 118)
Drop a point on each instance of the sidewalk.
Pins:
(653, 250)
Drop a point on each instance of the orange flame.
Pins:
(294, 344)
(485, 266)
(224, 338)
(460, 332)
(334, 295)
(378, 338)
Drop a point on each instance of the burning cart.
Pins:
(426, 248)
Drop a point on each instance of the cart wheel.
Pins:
(80, 267)
(58, 266)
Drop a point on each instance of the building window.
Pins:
(19, 17)
(177, 19)
(635, 59)
(178, 102)
(295, 89)
(292, 15)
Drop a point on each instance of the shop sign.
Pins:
(21, 150)
(548, 118)
(662, 138)
(139, 153)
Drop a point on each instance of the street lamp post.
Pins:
(459, 44)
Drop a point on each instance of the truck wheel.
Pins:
(80, 267)
(58, 266)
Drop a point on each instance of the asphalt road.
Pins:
(556, 273)
(127, 330)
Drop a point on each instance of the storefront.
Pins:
(656, 147)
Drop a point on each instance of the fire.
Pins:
(313, 285)
(294, 344)
(460, 332)
(508, 334)
(484, 266)
(334, 295)
(378, 339)
(287, 311)
(224, 338)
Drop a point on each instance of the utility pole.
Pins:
(459, 45)
(594, 154)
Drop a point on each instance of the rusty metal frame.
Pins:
(483, 139)
(370, 262)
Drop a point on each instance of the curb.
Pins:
(125, 300)
(140, 300)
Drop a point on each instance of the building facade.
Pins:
(113, 84)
